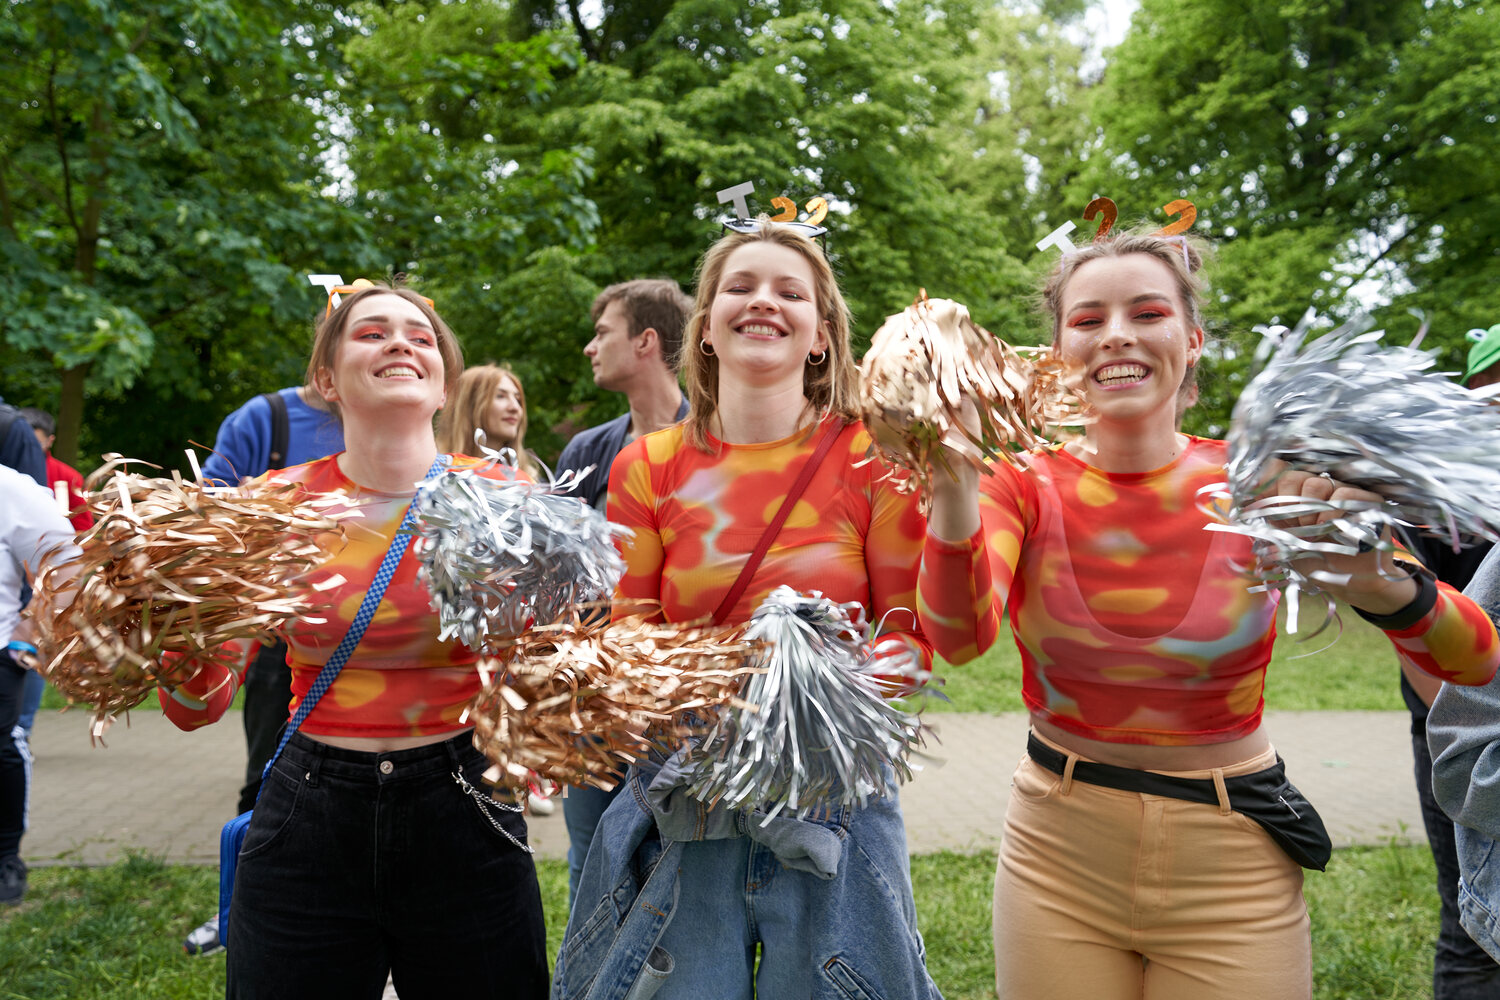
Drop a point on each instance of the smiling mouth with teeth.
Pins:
(1121, 375)
(761, 330)
(400, 373)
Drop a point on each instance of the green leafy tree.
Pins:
(159, 203)
(600, 145)
(1343, 151)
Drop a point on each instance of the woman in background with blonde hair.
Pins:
(489, 398)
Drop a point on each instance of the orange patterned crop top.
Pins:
(696, 516)
(401, 680)
(1136, 625)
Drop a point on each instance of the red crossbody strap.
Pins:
(769, 535)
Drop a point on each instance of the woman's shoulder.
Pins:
(320, 475)
(657, 447)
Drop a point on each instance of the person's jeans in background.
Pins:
(15, 756)
(1461, 970)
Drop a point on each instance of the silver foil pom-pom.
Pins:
(1373, 417)
(501, 555)
(813, 731)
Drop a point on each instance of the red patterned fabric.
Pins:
(400, 681)
(696, 516)
(1134, 623)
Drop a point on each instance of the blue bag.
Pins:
(232, 837)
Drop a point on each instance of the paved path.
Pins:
(169, 792)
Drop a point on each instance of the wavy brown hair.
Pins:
(831, 386)
(468, 410)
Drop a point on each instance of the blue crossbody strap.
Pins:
(362, 619)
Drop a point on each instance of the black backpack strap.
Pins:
(280, 430)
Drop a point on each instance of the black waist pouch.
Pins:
(1266, 796)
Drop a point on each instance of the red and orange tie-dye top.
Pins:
(1134, 623)
(401, 680)
(696, 517)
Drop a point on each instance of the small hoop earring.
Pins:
(705, 348)
(822, 356)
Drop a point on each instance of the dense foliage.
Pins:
(165, 189)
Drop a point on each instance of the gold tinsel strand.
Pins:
(925, 362)
(177, 569)
(573, 701)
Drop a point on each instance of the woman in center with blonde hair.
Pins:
(679, 900)
(489, 398)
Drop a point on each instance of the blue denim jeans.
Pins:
(31, 700)
(851, 936)
(582, 809)
(359, 864)
(1461, 970)
(15, 757)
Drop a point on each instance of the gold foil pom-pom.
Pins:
(170, 574)
(930, 360)
(575, 702)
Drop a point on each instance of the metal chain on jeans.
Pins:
(484, 800)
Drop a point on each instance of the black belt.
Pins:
(1266, 797)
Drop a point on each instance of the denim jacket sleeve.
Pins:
(1463, 730)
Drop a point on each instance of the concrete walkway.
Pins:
(168, 793)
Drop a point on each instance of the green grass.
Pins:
(1352, 669)
(53, 701)
(115, 933)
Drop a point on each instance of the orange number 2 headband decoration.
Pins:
(817, 209)
(1183, 210)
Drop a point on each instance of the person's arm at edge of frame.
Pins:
(1463, 730)
(48, 546)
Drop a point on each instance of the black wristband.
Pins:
(1408, 616)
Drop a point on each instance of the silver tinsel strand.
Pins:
(1372, 417)
(501, 555)
(814, 732)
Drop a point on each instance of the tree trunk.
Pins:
(70, 418)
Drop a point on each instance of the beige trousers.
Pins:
(1102, 894)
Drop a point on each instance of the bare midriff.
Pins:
(1148, 757)
(386, 744)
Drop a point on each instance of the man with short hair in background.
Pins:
(58, 471)
(638, 333)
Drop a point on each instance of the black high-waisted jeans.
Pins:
(358, 864)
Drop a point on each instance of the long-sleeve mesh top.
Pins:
(1134, 623)
(696, 516)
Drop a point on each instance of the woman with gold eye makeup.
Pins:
(1152, 847)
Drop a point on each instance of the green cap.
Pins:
(1485, 352)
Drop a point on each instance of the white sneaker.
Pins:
(205, 940)
(540, 805)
